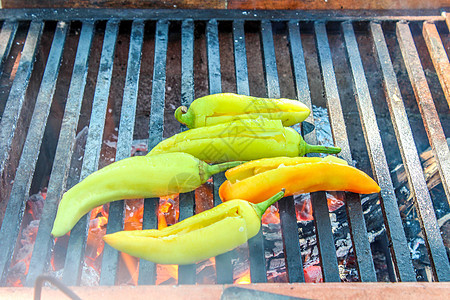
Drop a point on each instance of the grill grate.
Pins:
(11, 128)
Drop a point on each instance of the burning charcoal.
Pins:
(168, 211)
(89, 276)
(139, 148)
(22, 257)
(166, 274)
(379, 260)
(273, 246)
(206, 272)
(347, 268)
(409, 215)
(341, 231)
(241, 264)
(16, 274)
(35, 204)
(313, 274)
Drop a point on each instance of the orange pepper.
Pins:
(254, 180)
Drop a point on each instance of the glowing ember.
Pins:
(132, 265)
(95, 244)
(167, 274)
(168, 211)
(244, 278)
(22, 257)
(271, 216)
(304, 208)
(313, 274)
(168, 214)
(134, 213)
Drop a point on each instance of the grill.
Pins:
(84, 41)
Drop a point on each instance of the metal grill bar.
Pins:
(13, 108)
(411, 159)
(240, 58)
(64, 152)
(147, 269)
(425, 101)
(438, 56)
(187, 273)
(325, 240)
(258, 272)
(110, 257)
(28, 160)
(224, 269)
(7, 35)
(85, 14)
(393, 223)
(270, 63)
(273, 91)
(356, 220)
(288, 216)
(77, 242)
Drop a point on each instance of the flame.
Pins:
(304, 209)
(132, 266)
(168, 212)
(134, 213)
(28, 239)
(166, 272)
(52, 262)
(22, 256)
(94, 243)
(244, 278)
(271, 215)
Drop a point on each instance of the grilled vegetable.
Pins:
(255, 180)
(199, 237)
(134, 177)
(241, 140)
(224, 108)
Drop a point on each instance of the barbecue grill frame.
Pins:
(400, 252)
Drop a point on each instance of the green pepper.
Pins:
(240, 140)
(133, 177)
(227, 107)
(199, 237)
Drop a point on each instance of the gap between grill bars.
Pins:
(203, 64)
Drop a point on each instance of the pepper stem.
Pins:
(260, 208)
(182, 116)
(305, 148)
(214, 169)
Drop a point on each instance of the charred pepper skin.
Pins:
(254, 180)
(227, 107)
(199, 237)
(134, 177)
(241, 140)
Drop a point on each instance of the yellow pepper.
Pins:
(199, 237)
(240, 140)
(134, 177)
(255, 180)
(224, 108)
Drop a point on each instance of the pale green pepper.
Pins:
(199, 237)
